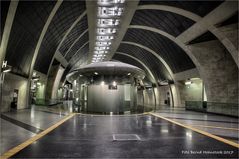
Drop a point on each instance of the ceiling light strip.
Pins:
(108, 20)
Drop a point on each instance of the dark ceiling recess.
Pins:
(174, 56)
(68, 12)
(4, 5)
(77, 46)
(80, 27)
(171, 23)
(131, 61)
(208, 36)
(232, 20)
(28, 23)
(148, 59)
(200, 7)
(55, 62)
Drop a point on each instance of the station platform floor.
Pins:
(40, 133)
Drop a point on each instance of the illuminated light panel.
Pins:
(110, 2)
(100, 55)
(108, 20)
(103, 43)
(104, 38)
(110, 11)
(100, 52)
(100, 48)
(105, 31)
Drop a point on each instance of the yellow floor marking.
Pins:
(18, 148)
(215, 127)
(199, 131)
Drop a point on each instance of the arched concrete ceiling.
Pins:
(67, 34)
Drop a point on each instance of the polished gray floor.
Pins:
(18, 126)
(223, 126)
(87, 136)
(12, 135)
(36, 118)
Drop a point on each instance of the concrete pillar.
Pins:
(53, 83)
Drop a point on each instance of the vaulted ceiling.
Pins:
(67, 34)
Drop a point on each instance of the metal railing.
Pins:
(47, 102)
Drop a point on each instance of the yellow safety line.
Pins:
(215, 127)
(199, 131)
(18, 148)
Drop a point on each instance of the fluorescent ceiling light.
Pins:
(114, 83)
(104, 38)
(109, 11)
(188, 82)
(108, 22)
(99, 48)
(103, 43)
(100, 52)
(104, 31)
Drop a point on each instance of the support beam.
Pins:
(39, 42)
(44, 30)
(152, 52)
(7, 30)
(61, 59)
(146, 67)
(220, 14)
(75, 42)
(210, 23)
(175, 10)
(172, 38)
(65, 35)
(79, 49)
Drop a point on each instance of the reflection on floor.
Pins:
(223, 126)
(16, 127)
(89, 136)
(12, 135)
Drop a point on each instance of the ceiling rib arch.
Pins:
(5, 33)
(152, 52)
(75, 41)
(44, 30)
(176, 10)
(195, 17)
(170, 37)
(146, 67)
(63, 39)
(79, 49)
(81, 42)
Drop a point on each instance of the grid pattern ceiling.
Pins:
(171, 23)
(29, 20)
(176, 58)
(68, 12)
